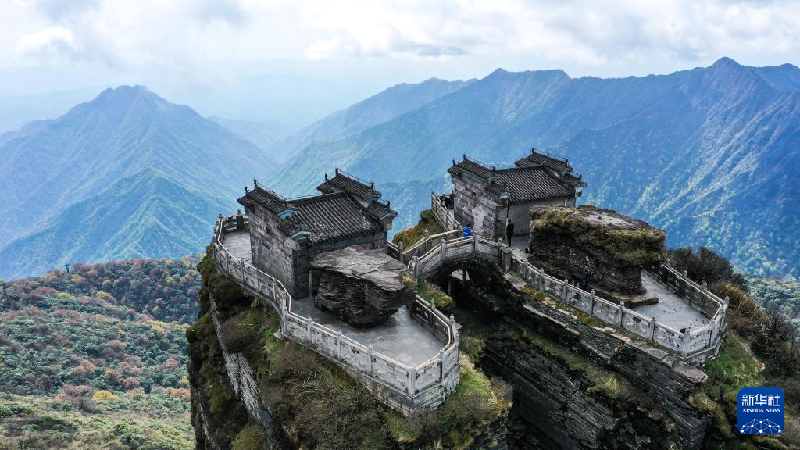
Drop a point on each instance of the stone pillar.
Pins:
(622, 316)
(591, 303)
(453, 328)
(415, 265)
(442, 248)
(412, 378)
(239, 220)
(339, 346)
(370, 354)
(440, 357)
(653, 329)
(311, 284)
(308, 329)
(685, 342)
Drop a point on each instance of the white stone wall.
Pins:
(272, 251)
(472, 204)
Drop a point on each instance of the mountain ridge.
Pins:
(723, 132)
(122, 133)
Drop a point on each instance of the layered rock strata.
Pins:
(598, 248)
(362, 287)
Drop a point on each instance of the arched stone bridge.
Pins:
(442, 253)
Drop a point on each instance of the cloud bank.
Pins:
(184, 32)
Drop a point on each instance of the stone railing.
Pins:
(444, 216)
(694, 345)
(409, 389)
(421, 247)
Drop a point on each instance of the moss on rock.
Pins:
(410, 236)
(622, 238)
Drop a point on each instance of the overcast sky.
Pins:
(228, 55)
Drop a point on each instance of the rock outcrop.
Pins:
(598, 248)
(361, 286)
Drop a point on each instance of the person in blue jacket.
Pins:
(467, 231)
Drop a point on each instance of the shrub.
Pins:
(250, 437)
(102, 396)
(705, 265)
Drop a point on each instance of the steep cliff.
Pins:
(253, 389)
(578, 384)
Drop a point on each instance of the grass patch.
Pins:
(41, 422)
(641, 245)
(429, 291)
(476, 402)
(412, 235)
(602, 380)
(250, 437)
(732, 369)
(538, 295)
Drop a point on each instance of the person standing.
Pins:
(509, 230)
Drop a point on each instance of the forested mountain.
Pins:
(95, 358)
(710, 153)
(144, 178)
(262, 134)
(142, 215)
(782, 295)
(367, 113)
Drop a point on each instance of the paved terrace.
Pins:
(670, 310)
(400, 338)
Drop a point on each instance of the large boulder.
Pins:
(361, 286)
(599, 248)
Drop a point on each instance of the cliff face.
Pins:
(253, 389)
(575, 385)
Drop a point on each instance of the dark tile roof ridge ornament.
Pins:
(549, 155)
(350, 183)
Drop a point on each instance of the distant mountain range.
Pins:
(127, 174)
(262, 134)
(710, 154)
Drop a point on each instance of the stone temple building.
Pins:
(485, 196)
(285, 234)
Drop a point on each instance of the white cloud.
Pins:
(204, 38)
(50, 42)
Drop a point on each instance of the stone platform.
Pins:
(670, 309)
(399, 338)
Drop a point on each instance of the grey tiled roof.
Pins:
(350, 184)
(381, 210)
(524, 184)
(264, 197)
(325, 217)
(540, 159)
(329, 216)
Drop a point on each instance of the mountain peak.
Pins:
(125, 92)
(726, 63)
